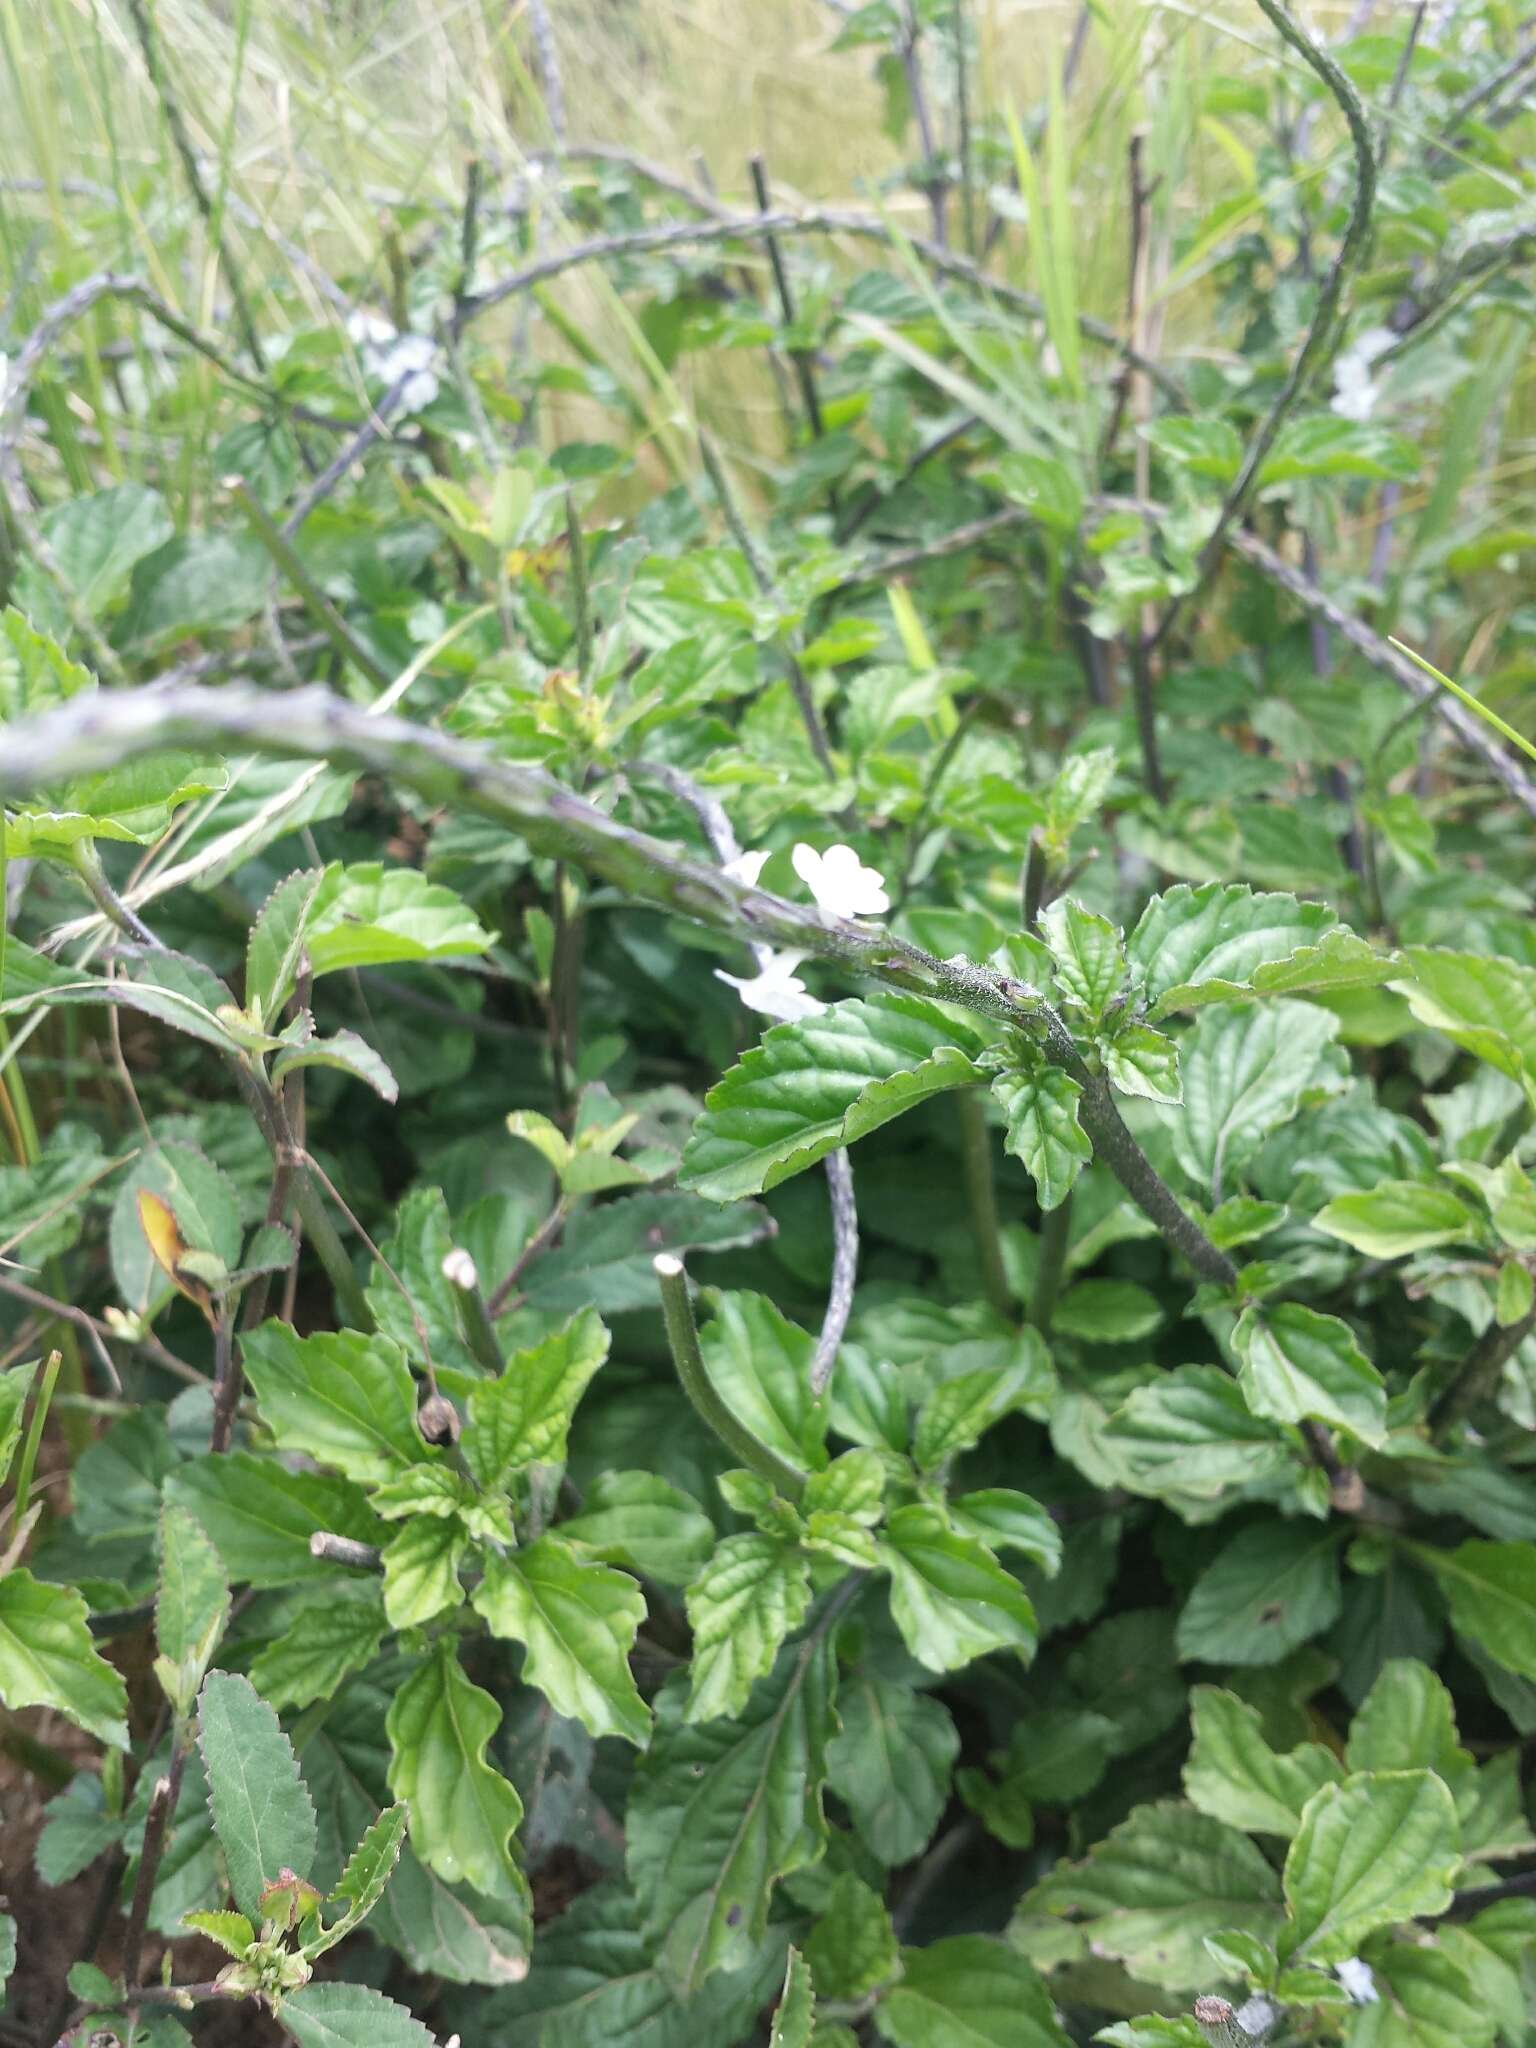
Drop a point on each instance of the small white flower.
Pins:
(841, 884)
(368, 330)
(1358, 1980)
(775, 990)
(389, 357)
(746, 867)
(1355, 391)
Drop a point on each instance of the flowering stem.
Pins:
(101, 729)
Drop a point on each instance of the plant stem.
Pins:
(1055, 1232)
(688, 1357)
(43, 1383)
(1320, 334)
(87, 865)
(981, 1195)
(580, 602)
(845, 1266)
(1032, 885)
(316, 603)
(474, 1316)
(1146, 718)
(362, 1557)
(157, 1822)
(1476, 1379)
(170, 106)
(805, 375)
(104, 728)
(539, 1243)
(228, 1379)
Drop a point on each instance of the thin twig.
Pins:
(549, 66)
(316, 603)
(981, 1196)
(1320, 333)
(845, 1266)
(104, 728)
(157, 1823)
(175, 121)
(747, 227)
(362, 1557)
(805, 374)
(1476, 1379)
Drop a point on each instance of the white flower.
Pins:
(775, 990)
(1355, 392)
(841, 884)
(746, 867)
(1358, 1980)
(389, 357)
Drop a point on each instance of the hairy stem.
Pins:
(688, 1357)
(102, 728)
(845, 1266)
(157, 1825)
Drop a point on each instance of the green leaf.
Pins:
(641, 1520)
(577, 1620)
(1107, 1312)
(35, 672)
(261, 1516)
(1490, 1589)
(232, 1931)
(421, 1569)
(344, 1399)
(97, 539)
(809, 1088)
(950, 1598)
(133, 802)
(345, 1053)
(891, 1764)
(1327, 445)
(852, 1947)
(1233, 1774)
(524, 1417)
(1431, 2000)
(1406, 1722)
(202, 1198)
(1204, 945)
(1482, 1003)
(1190, 1433)
(1091, 966)
(969, 1992)
(1140, 1061)
(606, 1256)
(721, 1810)
(329, 1637)
(1267, 1592)
(275, 949)
(1397, 1217)
(1205, 447)
(47, 1659)
(1378, 1848)
(960, 1411)
(362, 1884)
(191, 1605)
(195, 583)
(760, 1365)
(1040, 1108)
(262, 1813)
(598, 1983)
(1298, 1365)
(15, 1385)
(753, 1593)
(1005, 1520)
(1151, 1891)
(368, 915)
(350, 2016)
(1042, 483)
(795, 2014)
(1246, 1072)
(463, 1811)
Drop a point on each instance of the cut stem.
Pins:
(688, 1357)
